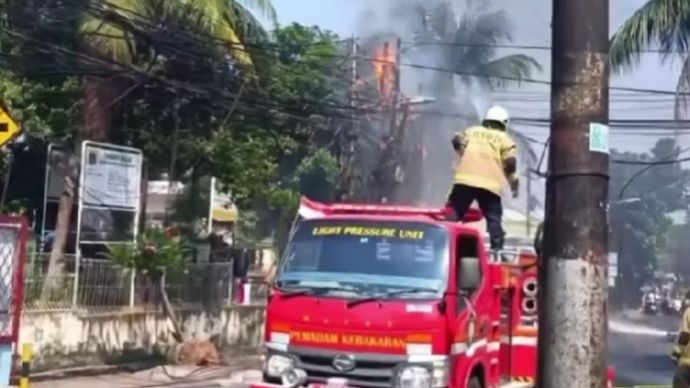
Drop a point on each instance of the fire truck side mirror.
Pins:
(470, 274)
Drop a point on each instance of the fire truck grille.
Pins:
(374, 372)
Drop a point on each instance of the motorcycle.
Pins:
(650, 303)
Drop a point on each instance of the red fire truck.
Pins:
(388, 296)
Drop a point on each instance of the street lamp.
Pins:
(627, 201)
(419, 100)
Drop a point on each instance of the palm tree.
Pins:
(112, 31)
(467, 47)
(659, 23)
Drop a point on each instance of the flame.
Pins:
(385, 63)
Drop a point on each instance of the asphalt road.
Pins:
(641, 357)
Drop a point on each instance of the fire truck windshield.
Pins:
(366, 257)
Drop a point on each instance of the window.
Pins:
(468, 246)
(369, 255)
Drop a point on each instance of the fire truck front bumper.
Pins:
(339, 369)
(267, 385)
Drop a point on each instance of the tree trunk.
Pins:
(99, 97)
(99, 100)
(56, 262)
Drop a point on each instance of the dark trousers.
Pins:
(460, 199)
(681, 379)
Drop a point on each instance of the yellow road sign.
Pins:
(9, 128)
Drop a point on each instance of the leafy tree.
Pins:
(276, 160)
(168, 79)
(641, 196)
(48, 112)
(131, 52)
(129, 33)
(157, 254)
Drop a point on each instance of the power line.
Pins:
(526, 121)
(266, 46)
(412, 44)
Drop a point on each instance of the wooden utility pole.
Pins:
(528, 208)
(349, 182)
(573, 274)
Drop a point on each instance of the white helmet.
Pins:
(497, 113)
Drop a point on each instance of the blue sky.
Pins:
(330, 14)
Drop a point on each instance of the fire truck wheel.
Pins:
(474, 383)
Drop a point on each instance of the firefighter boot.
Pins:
(497, 249)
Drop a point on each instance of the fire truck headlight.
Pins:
(414, 377)
(293, 378)
(439, 374)
(277, 365)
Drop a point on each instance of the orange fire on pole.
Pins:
(384, 67)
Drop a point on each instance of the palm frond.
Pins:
(662, 22)
(504, 71)
(254, 37)
(442, 21)
(248, 26)
(214, 18)
(101, 31)
(475, 37)
(264, 7)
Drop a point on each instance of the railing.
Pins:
(105, 286)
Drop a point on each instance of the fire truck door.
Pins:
(469, 337)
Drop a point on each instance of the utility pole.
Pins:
(349, 182)
(573, 274)
(528, 208)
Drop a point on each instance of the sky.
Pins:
(531, 20)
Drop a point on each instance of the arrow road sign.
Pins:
(9, 128)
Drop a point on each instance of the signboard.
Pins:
(111, 176)
(9, 128)
(222, 209)
(599, 138)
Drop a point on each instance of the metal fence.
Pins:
(103, 285)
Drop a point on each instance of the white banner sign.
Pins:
(111, 176)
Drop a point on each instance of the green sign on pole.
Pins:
(599, 138)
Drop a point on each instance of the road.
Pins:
(640, 356)
(230, 376)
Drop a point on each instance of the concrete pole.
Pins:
(573, 274)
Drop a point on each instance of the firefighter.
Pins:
(487, 156)
(681, 351)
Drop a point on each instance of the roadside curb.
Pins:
(87, 371)
(240, 369)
